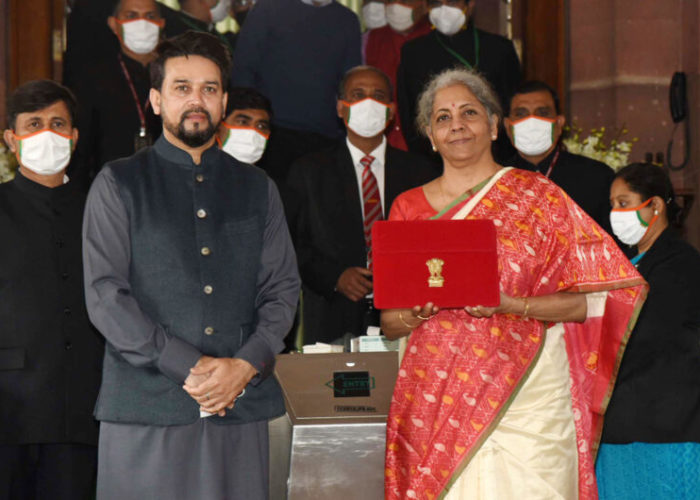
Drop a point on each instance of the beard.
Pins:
(197, 136)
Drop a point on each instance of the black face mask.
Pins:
(240, 17)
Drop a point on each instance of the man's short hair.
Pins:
(191, 43)
(37, 95)
(118, 8)
(536, 86)
(247, 98)
(359, 69)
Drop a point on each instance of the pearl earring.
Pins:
(434, 148)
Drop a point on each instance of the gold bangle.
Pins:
(527, 307)
(404, 321)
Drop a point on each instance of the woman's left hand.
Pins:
(508, 305)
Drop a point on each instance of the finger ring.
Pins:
(241, 394)
(421, 317)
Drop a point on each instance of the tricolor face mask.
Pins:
(399, 16)
(45, 152)
(140, 35)
(628, 224)
(374, 15)
(367, 118)
(245, 144)
(447, 20)
(533, 136)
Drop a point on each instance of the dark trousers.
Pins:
(48, 471)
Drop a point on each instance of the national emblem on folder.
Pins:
(436, 279)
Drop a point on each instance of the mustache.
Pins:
(196, 110)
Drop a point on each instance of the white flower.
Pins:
(7, 164)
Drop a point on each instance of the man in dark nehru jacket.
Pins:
(336, 196)
(191, 277)
(534, 125)
(455, 42)
(50, 356)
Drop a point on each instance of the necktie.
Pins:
(372, 204)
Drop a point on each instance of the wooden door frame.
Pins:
(35, 34)
(544, 28)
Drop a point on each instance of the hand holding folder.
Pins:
(451, 263)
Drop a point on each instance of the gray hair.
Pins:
(470, 79)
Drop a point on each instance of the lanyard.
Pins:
(139, 108)
(458, 56)
(635, 260)
(552, 163)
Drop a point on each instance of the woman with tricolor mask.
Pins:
(651, 436)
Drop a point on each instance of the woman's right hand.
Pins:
(396, 323)
(426, 312)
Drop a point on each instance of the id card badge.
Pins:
(142, 140)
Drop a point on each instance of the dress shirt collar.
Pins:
(379, 154)
(377, 168)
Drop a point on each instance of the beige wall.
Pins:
(622, 56)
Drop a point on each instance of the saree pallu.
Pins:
(459, 373)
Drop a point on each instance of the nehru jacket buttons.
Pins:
(199, 178)
(67, 311)
(201, 213)
(209, 331)
(205, 251)
(208, 289)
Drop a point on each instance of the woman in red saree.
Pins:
(506, 402)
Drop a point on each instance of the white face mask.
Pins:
(245, 144)
(448, 20)
(628, 225)
(367, 118)
(46, 152)
(399, 16)
(533, 136)
(374, 15)
(140, 36)
(220, 11)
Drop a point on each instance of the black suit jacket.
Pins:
(327, 226)
(657, 393)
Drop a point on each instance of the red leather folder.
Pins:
(452, 263)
